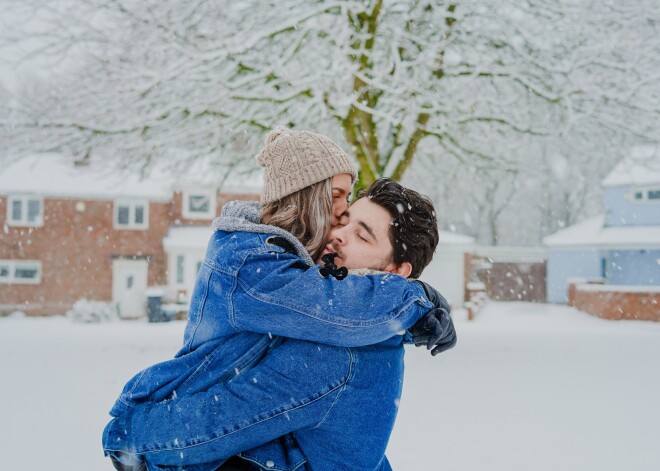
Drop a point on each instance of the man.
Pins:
(332, 407)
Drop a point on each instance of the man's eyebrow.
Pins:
(344, 214)
(368, 229)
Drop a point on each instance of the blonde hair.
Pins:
(306, 214)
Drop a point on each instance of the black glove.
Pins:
(435, 328)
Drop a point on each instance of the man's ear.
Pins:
(405, 269)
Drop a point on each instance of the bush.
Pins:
(92, 311)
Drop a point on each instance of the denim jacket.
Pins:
(251, 289)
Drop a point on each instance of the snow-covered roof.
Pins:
(620, 288)
(592, 233)
(641, 167)
(504, 254)
(56, 175)
(250, 184)
(205, 173)
(187, 238)
(452, 238)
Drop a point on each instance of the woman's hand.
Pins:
(435, 329)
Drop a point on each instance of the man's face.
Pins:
(341, 192)
(362, 237)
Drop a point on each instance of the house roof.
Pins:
(56, 175)
(504, 254)
(593, 234)
(641, 167)
(452, 238)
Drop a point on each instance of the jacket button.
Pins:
(270, 463)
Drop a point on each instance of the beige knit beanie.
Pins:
(294, 160)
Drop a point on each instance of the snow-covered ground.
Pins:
(529, 387)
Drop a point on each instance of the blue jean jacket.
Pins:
(339, 403)
(249, 291)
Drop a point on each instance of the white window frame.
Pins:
(13, 265)
(23, 221)
(645, 194)
(185, 204)
(132, 225)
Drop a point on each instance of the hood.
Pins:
(245, 216)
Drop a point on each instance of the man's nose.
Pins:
(337, 236)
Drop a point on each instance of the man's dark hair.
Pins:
(414, 228)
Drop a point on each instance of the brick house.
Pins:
(75, 231)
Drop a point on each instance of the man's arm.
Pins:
(292, 389)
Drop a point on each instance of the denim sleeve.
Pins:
(278, 295)
(281, 395)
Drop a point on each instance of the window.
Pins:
(180, 260)
(199, 204)
(25, 211)
(646, 195)
(603, 268)
(20, 271)
(131, 215)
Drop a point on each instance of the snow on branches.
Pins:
(397, 82)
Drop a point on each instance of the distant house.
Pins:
(77, 231)
(620, 247)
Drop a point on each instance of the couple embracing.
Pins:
(292, 356)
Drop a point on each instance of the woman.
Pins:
(257, 279)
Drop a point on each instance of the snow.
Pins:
(581, 280)
(452, 238)
(591, 233)
(642, 167)
(475, 285)
(620, 288)
(188, 237)
(529, 386)
(506, 254)
(55, 175)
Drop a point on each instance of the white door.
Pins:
(129, 286)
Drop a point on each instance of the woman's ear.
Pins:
(405, 269)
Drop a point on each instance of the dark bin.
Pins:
(154, 302)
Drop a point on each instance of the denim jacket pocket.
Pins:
(282, 454)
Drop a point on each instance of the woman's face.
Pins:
(341, 192)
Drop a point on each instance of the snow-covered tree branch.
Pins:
(160, 80)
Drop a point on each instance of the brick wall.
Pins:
(615, 304)
(76, 249)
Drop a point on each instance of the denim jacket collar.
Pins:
(245, 216)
